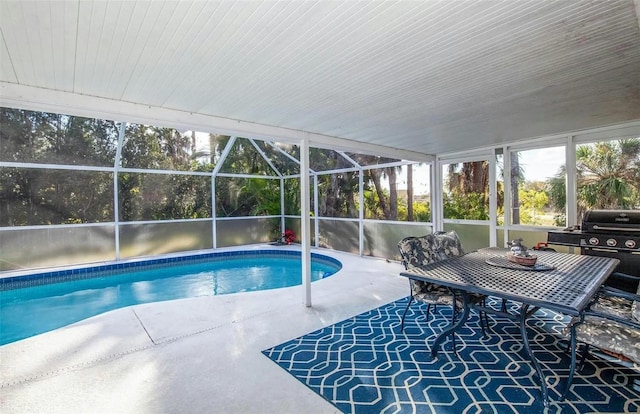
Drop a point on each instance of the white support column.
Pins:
(316, 222)
(571, 209)
(436, 196)
(361, 212)
(214, 223)
(506, 161)
(493, 200)
(305, 225)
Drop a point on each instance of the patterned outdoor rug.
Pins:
(366, 365)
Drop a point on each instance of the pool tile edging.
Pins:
(66, 275)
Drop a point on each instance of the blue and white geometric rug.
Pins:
(366, 365)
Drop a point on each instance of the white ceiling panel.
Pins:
(6, 68)
(428, 76)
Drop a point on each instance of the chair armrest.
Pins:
(625, 276)
(611, 291)
(612, 317)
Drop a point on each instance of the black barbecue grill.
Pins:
(610, 233)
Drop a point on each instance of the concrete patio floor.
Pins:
(199, 355)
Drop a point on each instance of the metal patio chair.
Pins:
(611, 323)
(417, 251)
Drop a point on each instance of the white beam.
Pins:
(38, 99)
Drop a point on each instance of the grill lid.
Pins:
(611, 221)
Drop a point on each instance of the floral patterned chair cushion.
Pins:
(615, 337)
(448, 245)
(614, 305)
(417, 251)
(625, 305)
(423, 250)
(612, 324)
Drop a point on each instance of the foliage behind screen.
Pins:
(165, 174)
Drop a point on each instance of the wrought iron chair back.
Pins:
(423, 250)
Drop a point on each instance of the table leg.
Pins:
(534, 361)
(454, 327)
(572, 370)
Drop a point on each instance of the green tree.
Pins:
(533, 202)
(468, 191)
(471, 206)
(337, 191)
(387, 201)
(516, 177)
(607, 174)
(34, 196)
(158, 196)
(240, 196)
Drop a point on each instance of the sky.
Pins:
(541, 164)
(538, 165)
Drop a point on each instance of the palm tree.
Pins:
(468, 195)
(469, 177)
(517, 176)
(410, 192)
(387, 204)
(608, 176)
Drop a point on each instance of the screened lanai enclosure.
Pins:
(133, 129)
(80, 190)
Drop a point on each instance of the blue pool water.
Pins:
(28, 311)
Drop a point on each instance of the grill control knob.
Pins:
(594, 241)
(631, 244)
(611, 242)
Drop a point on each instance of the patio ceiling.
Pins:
(424, 76)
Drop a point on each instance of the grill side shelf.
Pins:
(564, 238)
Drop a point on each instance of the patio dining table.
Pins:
(560, 282)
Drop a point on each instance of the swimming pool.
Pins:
(38, 303)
